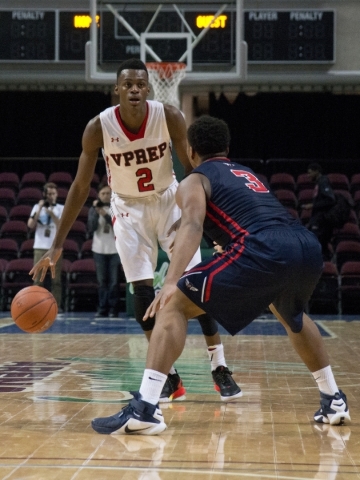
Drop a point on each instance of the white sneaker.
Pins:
(333, 409)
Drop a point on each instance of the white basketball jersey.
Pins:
(137, 165)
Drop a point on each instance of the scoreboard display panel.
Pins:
(280, 36)
(273, 36)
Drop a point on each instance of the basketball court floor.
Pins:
(53, 384)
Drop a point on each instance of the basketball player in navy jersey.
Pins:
(136, 138)
(268, 258)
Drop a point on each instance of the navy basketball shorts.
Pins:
(280, 266)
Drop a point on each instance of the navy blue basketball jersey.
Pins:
(240, 204)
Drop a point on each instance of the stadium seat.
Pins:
(14, 229)
(7, 198)
(26, 249)
(16, 277)
(305, 216)
(92, 196)
(95, 181)
(33, 180)
(29, 196)
(81, 286)
(20, 212)
(356, 198)
(78, 232)
(70, 250)
(3, 264)
(347, 251)
(86, 249)
(303, 182)
(61, 179)
(339, 181)
(83, 215)
(282, 181)
(325, 297)
(350, 287)
(10, 180)
(3, 215)
(346, 194)
(305, 196)
(286, 198)
(349, 231)
(9, 249)
(355, 183)
(62, 194)
(353, 218)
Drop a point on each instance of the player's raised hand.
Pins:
(160, 300)
(49, 259)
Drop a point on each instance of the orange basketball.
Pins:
(34, 309)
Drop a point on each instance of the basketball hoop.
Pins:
(165, 78)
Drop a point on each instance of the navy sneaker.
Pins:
(225, 384)
(136, 418)
(333, 409)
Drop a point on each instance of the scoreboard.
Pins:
(305, 36)
(273, 36)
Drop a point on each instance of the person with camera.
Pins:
(106, 258)
(44, 219)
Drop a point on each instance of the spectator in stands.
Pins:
(323, 200)
(106, 258)
(44, 219)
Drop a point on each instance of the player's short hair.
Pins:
(315, 167)
(208, 135)
(132, 64)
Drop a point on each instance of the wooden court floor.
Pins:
(53, 384)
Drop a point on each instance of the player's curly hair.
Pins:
(208, 135)
(131, 64)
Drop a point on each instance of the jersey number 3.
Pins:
(146, 177)
(254, 183)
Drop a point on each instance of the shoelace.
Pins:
(223, 375)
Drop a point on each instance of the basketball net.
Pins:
(165, 78)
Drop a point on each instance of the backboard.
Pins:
(208, 38)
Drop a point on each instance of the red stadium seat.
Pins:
(33, 180)
(61, 179)
(10, 180)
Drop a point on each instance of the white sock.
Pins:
(216, 356)
(326, 381)
(172, 370)
(152, 385)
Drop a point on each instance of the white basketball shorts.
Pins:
(141, 224)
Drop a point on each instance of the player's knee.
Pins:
(143, 296)
(208, 325)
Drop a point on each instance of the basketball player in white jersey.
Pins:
(137, 137)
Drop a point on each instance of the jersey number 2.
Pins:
(254, 183)
(144, 184)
